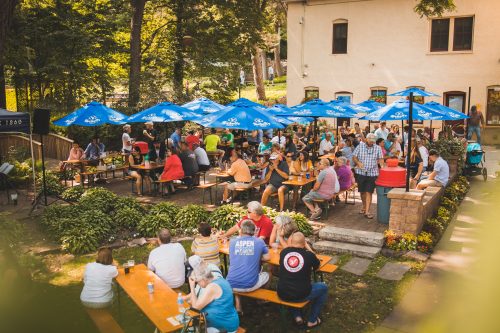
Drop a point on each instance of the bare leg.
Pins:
(237, 303)
(281, 197)
(225, 195)
(363, 200)
(265, 196)
(368, 202)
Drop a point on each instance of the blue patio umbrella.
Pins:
(162, 113)
(400, 110)
(372, 106)
(279, 109)
(449, 113)
(350, 111)
(245, 101)
(241, 115)
(203, 105)
(92, 114)
(414, 92)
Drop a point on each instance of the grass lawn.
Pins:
(272, 92)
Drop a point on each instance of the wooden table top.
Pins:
(220, 174)
(159, 305)
(330, 156)
(75, 161)
(275, 257)
(152, 166)
(296, 182)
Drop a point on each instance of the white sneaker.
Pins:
(316, 214)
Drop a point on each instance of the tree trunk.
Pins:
(6, 12)
(134, 84)
(278, 69)
(257, 74)
(263, 61)
(178, 72)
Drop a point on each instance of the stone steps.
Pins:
(360, 243)
(360, 237)
(341, 247)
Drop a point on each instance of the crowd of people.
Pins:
(211, 290)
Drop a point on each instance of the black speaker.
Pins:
(41, 119)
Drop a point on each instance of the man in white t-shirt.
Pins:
(382, 131)
(167, 260)
(281, 140)
(325, 146)
(201, 157)
(126, 141)
(424, 153)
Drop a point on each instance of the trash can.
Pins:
(390, 177)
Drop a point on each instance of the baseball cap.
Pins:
(195, 261)
(149, 123)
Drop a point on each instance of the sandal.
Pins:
(299, 321)
(362, 212)
(369, 216)
(318, 322)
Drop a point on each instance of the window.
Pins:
(311, 93)
(493, 106)
(462, 36)
(339, 38)
(440, 32)
(346, 97)
(379, 94)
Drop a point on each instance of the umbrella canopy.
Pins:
(371, 105)
(245, 101)
(400, 110)
(449, 113)
(317, 108)
(92, 114)
(163, 113)
(241, 115)
(347, 108)
(279, 109)
(14, 121)
(203, 105)
(414, 91)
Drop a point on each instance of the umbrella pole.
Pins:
(315, 138)
(337, 134)
(410, 120)
(369, 127)
(432, 132)
(403, 136)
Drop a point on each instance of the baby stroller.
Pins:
(474, 161)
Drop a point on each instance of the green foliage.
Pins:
(404, 242)
(98, 198)
(54, 186)
(11, 232)
(73, 194)
(84, 240)
(127, 217)
(166, 208)
(299, 218)
(449, 204)
(226, 216)
(424, 242)
(435, 227)
(189, 217)
(151, 224)
(431, 8)
(444, 215)
(127, 202)
(450, 147)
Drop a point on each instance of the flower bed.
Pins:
(434, 226)
(98, 217)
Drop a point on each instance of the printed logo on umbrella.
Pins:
(231, 122)
(398, 115)
(173, 114)
(303, 112)
(92, 120)
(261, 123)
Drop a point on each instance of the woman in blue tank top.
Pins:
(216, 302)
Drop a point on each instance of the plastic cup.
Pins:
(275, 247)
(126, 269)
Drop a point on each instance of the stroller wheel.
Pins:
(485, 174)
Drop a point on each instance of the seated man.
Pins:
(324, 189)
(245, 254)
(201, 157)
(167, 260)
(211, 142)
(241, 173)
(93, 151)
(263, 224)
(439, 177)
(276, 174)
(189, 164)
(326, 146)
(294, 285)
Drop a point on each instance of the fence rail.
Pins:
(56, 146)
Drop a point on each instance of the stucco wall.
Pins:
(388, 45)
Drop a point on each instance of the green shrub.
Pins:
(449, 204)
(189, 217)
(80, 240)
(435, 227)
(54, 186)
(167, 208)
(226, 216)
(58, 218)
(98, 198)
(424, 242)
(127, 217)
(127, 202)
(444, 215)
(11, 232)
(299, 218)
(101, 223)
(73, 194)
(405, 242)
(151, 224)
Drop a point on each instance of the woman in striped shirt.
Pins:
(206, 246)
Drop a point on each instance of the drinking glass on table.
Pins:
(131, 264)
(275, 247)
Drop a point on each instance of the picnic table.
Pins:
(152, 166)
(296, 182)
(218, 176)
(330, 156)
(160, 306)
(325, 265)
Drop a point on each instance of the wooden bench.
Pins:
(271, 296)
(204, 187)
(104, 321)
(325, 203)
(132, 183)
(352, 190)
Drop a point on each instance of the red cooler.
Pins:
(390, 176)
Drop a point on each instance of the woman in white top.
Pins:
(98, 278)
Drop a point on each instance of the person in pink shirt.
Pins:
(192, 139)
(75, 153)
(344, 173)
(324, 188)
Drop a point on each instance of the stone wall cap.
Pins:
(400, 193)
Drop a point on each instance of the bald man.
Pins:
(294, 285)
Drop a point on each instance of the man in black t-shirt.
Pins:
(294, 284)
(189, 164)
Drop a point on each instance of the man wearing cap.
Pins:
(126, 141)
(151, 137)
(277, 173)
(367, 157)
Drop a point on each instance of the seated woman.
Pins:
(283, 229)
(381, 143)
(194, 262)
(290, 146)
(173, 169)
(216, 301)
(416, 165)
(98, 278)
(136, 159)
(344, 173)
(206, 246)
(302, 163)
(76, 153)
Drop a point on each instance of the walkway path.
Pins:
(458, 291)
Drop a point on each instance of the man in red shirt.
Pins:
(191, 139)
(263, 224)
